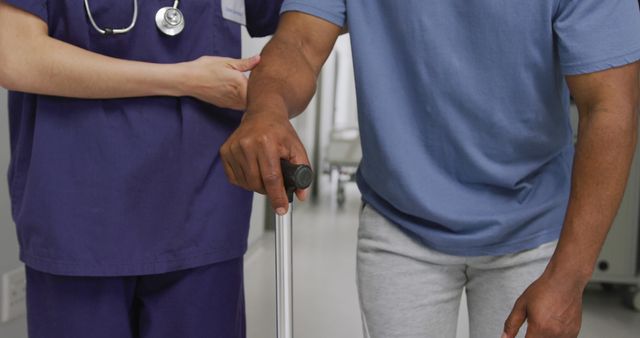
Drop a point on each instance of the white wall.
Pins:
(346, 106)
(8, 241)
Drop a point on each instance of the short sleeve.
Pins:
(595, 35)
(35, 7)
(262, 16)
(334, 11)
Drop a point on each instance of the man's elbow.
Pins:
(630, 117)
(627, 121)
(633, 110)
(635, 97)
(635, 107)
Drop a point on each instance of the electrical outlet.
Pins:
(14, 294)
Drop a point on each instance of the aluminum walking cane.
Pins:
(295, 177)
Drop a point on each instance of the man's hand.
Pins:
(552, 308)
(608, 106)
(279, 88)
(252, 156)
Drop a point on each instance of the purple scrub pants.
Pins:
(206, 302)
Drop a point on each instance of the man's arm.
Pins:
(608, 104)
(31, 61)
(279, 88)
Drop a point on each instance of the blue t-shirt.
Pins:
(129, 186)
(464, 110)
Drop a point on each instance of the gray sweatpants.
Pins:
(409, 291)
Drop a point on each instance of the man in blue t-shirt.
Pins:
(468, 156)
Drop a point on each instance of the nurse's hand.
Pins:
(219, 81)
(252, 155)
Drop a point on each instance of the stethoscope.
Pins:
(169, 20)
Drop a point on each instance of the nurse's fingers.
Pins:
(245, 65)
(271, 173)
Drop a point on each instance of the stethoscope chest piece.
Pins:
(170, 20)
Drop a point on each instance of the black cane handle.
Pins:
(296, 176)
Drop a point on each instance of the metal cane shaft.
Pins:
(284, 275)
(294, 177)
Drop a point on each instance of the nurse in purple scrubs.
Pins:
(126, 222)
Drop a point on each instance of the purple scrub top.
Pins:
(129, 186)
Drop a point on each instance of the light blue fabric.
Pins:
(463, 110)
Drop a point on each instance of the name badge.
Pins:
(233, 10)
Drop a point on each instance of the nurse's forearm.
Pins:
(47, 66)
(608, 103)
(285, 80)
(33, 62)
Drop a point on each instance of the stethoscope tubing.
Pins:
(113, 31)
(170, 30)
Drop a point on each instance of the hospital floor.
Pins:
(325, 295)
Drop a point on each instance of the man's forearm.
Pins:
(285, 81)
(605, 148)
(279, 88)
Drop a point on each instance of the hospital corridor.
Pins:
(326, 227)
